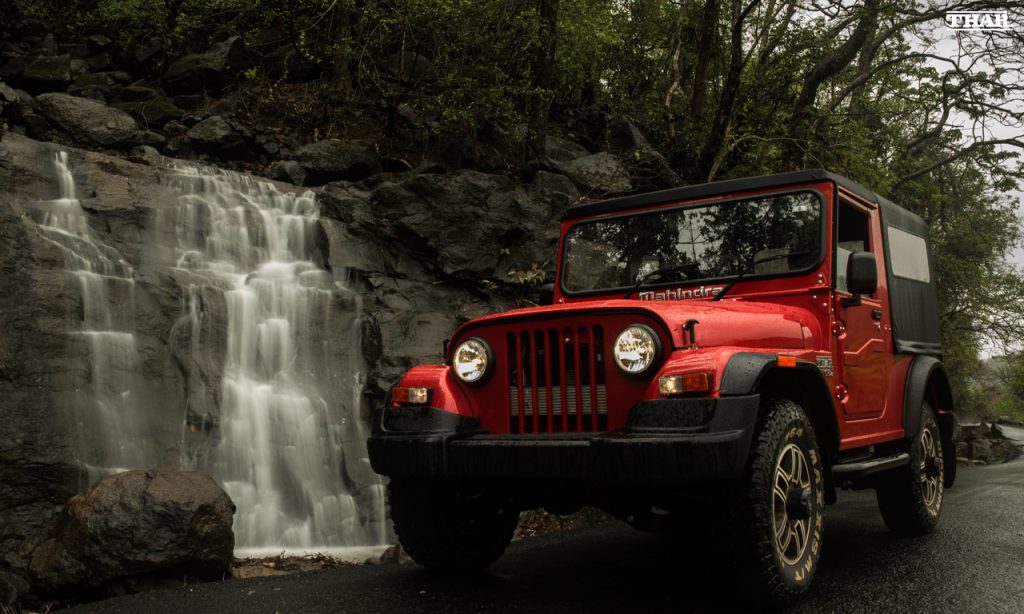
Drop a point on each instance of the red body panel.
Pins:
(800, 315)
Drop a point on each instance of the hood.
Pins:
(721, 323)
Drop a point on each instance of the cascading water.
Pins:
(112, 435)
(288, 444)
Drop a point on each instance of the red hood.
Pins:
(721, 323)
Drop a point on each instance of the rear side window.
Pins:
(909, 255)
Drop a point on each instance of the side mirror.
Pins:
(861, 275)
(546, 293)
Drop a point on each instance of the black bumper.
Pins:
(664, 442)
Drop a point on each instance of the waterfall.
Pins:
(281, 335)
(112, 434)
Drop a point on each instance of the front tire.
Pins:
(448, 527)
(778, 511)
(910, 497)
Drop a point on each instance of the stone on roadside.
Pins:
(135, 524)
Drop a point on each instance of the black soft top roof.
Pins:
(729, 186)
(914, 304)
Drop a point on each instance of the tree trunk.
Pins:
(543, 76)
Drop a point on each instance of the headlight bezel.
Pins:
(656, 353)
(488, 368)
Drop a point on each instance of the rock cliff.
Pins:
(411, 255)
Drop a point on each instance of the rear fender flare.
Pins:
(927, 381)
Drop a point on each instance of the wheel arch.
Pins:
(751, 373)
(927, 381)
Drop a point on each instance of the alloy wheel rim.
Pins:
(791, 490)
(931, 481)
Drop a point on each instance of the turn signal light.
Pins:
(411, 396)
(688, 383)
(786, 361)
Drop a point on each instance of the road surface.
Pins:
(974, 562)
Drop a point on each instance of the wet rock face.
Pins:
(418, 253)
(135, 523)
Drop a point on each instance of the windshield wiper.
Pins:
(658, 273)
(721, 294)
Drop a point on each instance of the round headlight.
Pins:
(472, 360)
(636, 348)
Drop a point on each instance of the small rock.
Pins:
(12, 587)
(600, 172)
(350, 159)
(145, 154)
(563, 150)
(175, 128)
(287, 170)
(214, 135)
(981, 450)
(94, 79)
(429, 168)
(47, 72)
(555, 189)
(207, 71)
(99, 62)
(98, 42)
(408, 67)
(624, 137)
(7, 93)
(154, 112)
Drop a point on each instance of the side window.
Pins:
(909, 255)
(853, 235)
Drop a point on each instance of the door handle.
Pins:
(876, 315)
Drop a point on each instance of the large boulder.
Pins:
(221, 138)
(207, 72)
(137, 523)
(87, 121)
(46, 73)
(334, 159)
(601, 173)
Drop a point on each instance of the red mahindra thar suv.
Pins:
(748, 345)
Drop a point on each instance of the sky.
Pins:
(947, 45)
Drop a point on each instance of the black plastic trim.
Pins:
(921, 371)
(745, 371)
(853, 471)
(672, 456)
(715, 188)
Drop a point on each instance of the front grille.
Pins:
(557, 380)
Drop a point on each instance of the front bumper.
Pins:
(664, 442)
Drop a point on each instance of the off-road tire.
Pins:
(445, 527)
(769, 568)
(910, 497)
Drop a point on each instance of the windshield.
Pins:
(766, 235)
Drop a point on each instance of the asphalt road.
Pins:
(974, 562)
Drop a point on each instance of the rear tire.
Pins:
(910, 497)
(778, 511)
(443, 526)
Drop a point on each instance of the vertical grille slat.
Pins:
(556, 380)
